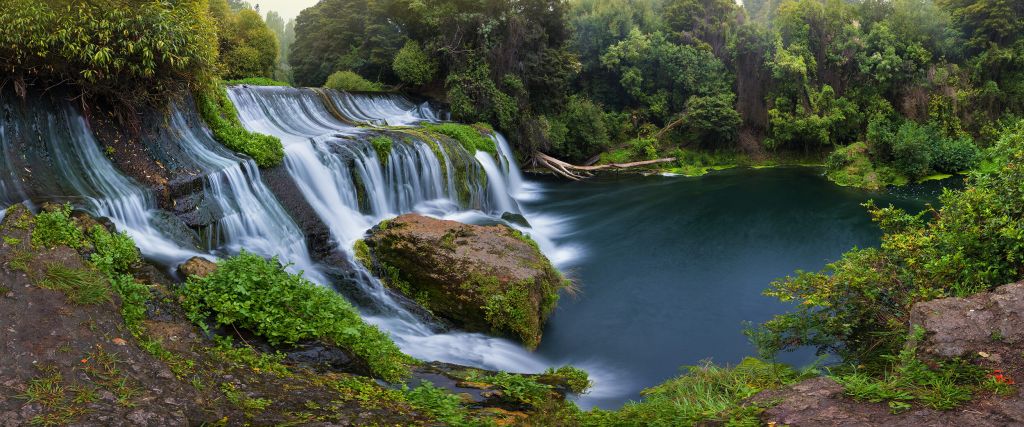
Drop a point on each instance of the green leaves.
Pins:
(250, 292)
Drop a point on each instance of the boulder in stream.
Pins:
(481, 278)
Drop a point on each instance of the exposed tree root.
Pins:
(576, 173)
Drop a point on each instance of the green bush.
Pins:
(250, 292)
(954, 155)
(585, 132)
(911, 150)
(351, 82)
(577, 379)
(413, 65)
(115, 252)
(438, 403)
(55, 228)
(859, 305)
(473, 138)
(126, 50)
(219, 113)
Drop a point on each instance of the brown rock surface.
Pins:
(482, 278)
(197, 266)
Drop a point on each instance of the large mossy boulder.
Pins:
(481, 278)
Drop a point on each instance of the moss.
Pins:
(362, 251)
(512, 311)
(473, 138)
(219, 114)
(382, 145)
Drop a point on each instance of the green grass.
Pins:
(248, 291)
(82, 286)
(705, 394)
(257, 81)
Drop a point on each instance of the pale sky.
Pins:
(288, 9)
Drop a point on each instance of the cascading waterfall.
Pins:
(381, 109)
(318, 153)
(250, 216)
(64, 163)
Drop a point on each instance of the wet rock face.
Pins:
(196, 266)
(481, 278)
(959, 326)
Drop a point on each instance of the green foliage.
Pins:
(129, 51)
(115, 252)
(257, 81)
(351, 82)
(858, 305)
(250, 292)
(219, 114)
(438, 403)
(577, 379)
(473, 138)
(54, 228)
(413, 65)
(83, 286)
(134, 296)
(474, 97)
(517, 388)
(248, 48)
(579, 132)
(906, 380)
(706, 393)
(382, 145)
(910, 150)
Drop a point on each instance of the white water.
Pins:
(251, 217)
(411, 181)
(105, 190)
(381, 109)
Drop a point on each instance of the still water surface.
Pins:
(670, 268)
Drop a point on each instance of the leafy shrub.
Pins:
(438, 403)
(577, 379)
(55, 228)
(953, 155)
(911, 150)
(250, 292)
(219, 113)
(474, 97)
(858, 305)
(584, 127)
(351, 82)
(517, 388)
(473, 138)
(128, 50)
(115, 252)
(257, 81)
(413, 65)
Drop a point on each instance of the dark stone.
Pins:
(516, 219)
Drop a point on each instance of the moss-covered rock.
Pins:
(482, 278)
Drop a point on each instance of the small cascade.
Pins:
(11, 190)
(250, 216)
(63, 163)
(382, 109)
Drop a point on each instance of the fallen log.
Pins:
(576, 173)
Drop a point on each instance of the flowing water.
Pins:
(669, 267)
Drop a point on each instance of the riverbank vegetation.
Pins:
(899, 90)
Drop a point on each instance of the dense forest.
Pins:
(895, 90)
(880, 92)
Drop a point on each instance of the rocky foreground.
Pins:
(987, 328)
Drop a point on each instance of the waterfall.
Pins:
(333, 165)
(63, 163)
(250, 216)
(383, 109)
